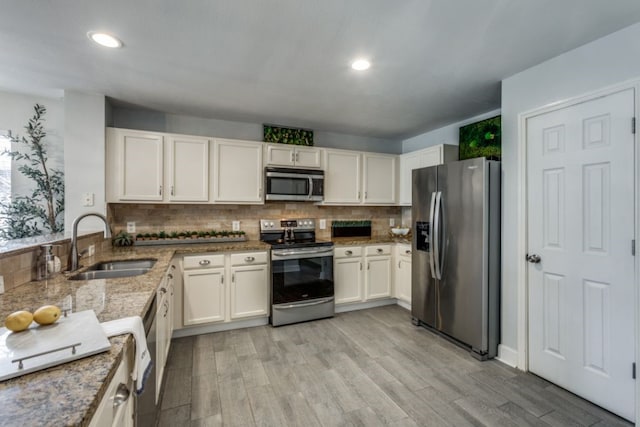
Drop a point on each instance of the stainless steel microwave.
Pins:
(303, 185)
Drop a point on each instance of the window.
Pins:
(5, 173)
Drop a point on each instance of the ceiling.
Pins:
(288, 61)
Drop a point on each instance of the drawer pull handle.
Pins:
(379, 250)
(349, 253)
(170, 276)
(163, 290)
(249, 259)
(121, 396)
(205, 262)
(408, 252)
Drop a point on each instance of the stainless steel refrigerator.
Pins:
(456, 252)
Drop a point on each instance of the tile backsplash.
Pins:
(151, 218)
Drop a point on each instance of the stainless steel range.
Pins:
(301, 271)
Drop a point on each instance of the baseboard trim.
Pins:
(219, 327)
(404, 304)
(342, 308)
(507, 355)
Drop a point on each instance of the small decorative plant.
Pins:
(162, 235)
(174, 235)
(182, 235)
(123, 239)
(139, 236)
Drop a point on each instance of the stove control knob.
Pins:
(271, 224)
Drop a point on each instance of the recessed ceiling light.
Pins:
(360, 64)
(104, 39)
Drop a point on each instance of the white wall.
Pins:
(445, 135)
(604, 62)
(84, 157)
(173, 123)
(15, 112)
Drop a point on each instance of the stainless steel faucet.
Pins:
(74, 236)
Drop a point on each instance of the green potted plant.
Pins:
(194, 234)
(162, 235)
(201, 235)
(154, 236)
(147, 236)
(174, 235)
(139, 236)
(122, 239)
(182, 235)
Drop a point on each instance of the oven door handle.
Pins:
(304, 304)
(302, 253)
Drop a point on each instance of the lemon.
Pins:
(18, 321)
(46, 315)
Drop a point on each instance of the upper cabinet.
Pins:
(188, 169)
(292, 156)
(237, 171)
(135, 166)
(431, 156)
(155, 167)
(353, 177)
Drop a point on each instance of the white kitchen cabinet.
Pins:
(164, 325)
(402, 279)
(249, 291)
(430, 156)
(362, 273)
(342, 176)
(117, 406)
(380, 182)
(204, 296)
(292, 156)
(188, 169)
(135, 166)
(237, 172)
(354, 178)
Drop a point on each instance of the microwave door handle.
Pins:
(310, 187)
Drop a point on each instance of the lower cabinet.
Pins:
(117, 406)
(362, 273)
(224, 287)
(402, 280)
(164, 328)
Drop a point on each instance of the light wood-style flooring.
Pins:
(362, 368)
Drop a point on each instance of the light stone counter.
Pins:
(68, 395)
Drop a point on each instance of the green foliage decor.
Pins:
(282, 135)
(481, 139)
(42, 211)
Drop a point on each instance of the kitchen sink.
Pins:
(109, 274)
(116, 269)
(123, 264)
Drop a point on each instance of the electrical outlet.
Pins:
(87, 199)
(91, 250)
(323, 224)
(131, 227)
(235, 225)
(1, 285)
(392, 222)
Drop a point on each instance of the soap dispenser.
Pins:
(48, 263)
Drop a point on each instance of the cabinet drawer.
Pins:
(404, 251)
(203, 261)
(347, 252)
(249, 258)
(377, 250)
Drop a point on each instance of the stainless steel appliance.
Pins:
(305, 185)
(146, 408)
(301, 271)
(456, 252)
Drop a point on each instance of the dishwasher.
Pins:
(146, 407)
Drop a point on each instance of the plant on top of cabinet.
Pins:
(283, 135)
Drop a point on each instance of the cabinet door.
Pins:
(408, 162)
(140, 166)
(347, 273)
(249, 291)
(238, 173)
(431, 156)
(342, 177)
(161, 339)
(109, 414)
(280, 155)
(380, 179)
(403, 279)
(378, 281)
(308, 157)
(203, 296)
(188, 169)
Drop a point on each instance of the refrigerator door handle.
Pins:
(436, 236)
(431, 239)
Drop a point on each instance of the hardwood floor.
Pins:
(362, 368)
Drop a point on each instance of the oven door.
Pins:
(301, 274)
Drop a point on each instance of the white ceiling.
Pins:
(287, 61)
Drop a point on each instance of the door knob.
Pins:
(533, 258)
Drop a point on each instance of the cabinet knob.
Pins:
(205, 262)
(408, 252)
(121, 396)
(348, 252)
(379, 250)
(163, 290)
(249, 259)
(170, 276)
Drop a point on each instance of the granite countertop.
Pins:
(68, 394)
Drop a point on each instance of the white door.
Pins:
(308, 157)
(249, 291)
(342, 177)
(280, 155)
(237, 172)
(141, 159)
(188, 169)
(581, 225)
(204, 296)
(348, 279)
(380, 178)
(378, 281)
